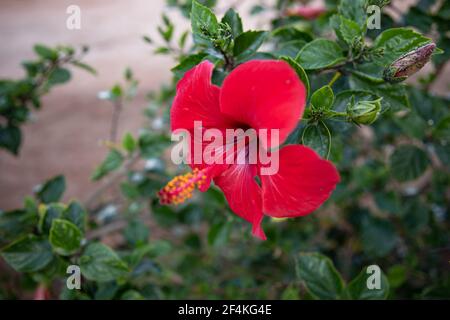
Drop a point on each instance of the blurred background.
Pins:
(64, 137)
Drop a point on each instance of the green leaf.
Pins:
(29, 254)
(136, 233)
(323, 98)
(408, 162)
(203, 22)
(397, 42)
(318, 137)
(233, 19)
(349, 30)
(129, 143)
(113, 161)
(219, 233)
(288, 33)
(48, 214)
(10, 138)
(75, 214)
(52, 190)
(16, 223)
(415, 215)
(65, 237)
(378, 237)
(394, 95)
(85, 67)
(188, 63)
(354, 10)
(59, 76)
(247, 43)
(345, 97)
(319, 54)
(100, 263)
(358, 290)
(320, 276)
(132, 295)
(300, 72)
(45, 52)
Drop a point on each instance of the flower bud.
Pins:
(409, 63)
(364, 112)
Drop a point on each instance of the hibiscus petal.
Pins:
(303, 182)
(197, 99)
(264, 94)
(243, 194)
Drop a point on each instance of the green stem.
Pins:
(336, 76)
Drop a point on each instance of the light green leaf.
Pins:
(65, 237)
(129, 143)
(323, 98)
(203, 22)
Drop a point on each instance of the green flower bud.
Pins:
(364, 112)
(409, 63)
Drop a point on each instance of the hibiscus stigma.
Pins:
(182, 187)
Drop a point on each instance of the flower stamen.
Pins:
(181, 188)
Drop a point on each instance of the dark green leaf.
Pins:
(100, 263)
(75, 214)
(300, 72)
(52, 190)
(408, 162)
(112, 162)
(10, 138)
(358, 290)
(378, 237)
(320, 276)
(318, 137)
(248, 43)
(320, 53)
(136, 233)
(45, 52)
(29, 254)
(233, 19)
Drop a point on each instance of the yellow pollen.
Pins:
(181, 188)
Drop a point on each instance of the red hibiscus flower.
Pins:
(259, 94)
(308, 13)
